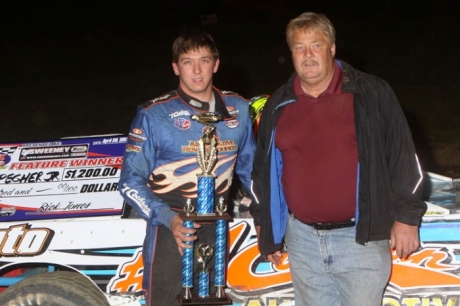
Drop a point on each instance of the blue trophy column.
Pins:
(205, 201)
(203, 283)
(187, 261)
(220, 248)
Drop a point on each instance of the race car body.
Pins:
(61, 212)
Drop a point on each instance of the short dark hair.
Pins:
(193, 39)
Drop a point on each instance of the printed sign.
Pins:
(65, 178)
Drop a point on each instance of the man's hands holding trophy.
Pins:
(183, 234)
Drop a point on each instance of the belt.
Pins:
(330, 226)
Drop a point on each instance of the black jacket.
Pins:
(390, 175)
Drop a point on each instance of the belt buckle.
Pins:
(331, 226)
(322, 226)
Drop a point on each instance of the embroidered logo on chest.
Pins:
(231, 124)
(182, 123)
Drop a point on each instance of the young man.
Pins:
(160, 166)
(336, 175)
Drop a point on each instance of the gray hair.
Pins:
(310, 21)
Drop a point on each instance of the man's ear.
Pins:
(216, 66)
(175, 68)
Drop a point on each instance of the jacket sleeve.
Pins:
(138, 164)
(258, 169)
(261, 182)
(404, 168)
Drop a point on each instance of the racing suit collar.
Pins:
(204, 106)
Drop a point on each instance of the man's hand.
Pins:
(404, 239)
(275, 258)
(180, 233)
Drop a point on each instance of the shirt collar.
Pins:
(334, 86)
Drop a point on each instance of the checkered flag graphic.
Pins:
(7, 150)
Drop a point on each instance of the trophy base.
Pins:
(210, 300)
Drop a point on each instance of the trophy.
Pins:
(204, 253)
(206, 210)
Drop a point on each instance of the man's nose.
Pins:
(196, 68)
(307, 52)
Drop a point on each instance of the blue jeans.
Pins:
(329, 268)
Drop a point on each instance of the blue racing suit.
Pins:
(160, 168)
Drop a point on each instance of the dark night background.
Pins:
(72, 68)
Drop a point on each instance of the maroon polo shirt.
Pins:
(317, 140)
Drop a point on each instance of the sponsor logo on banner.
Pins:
(41, 144)
(54, 152)
(7, 211)
(5, 157)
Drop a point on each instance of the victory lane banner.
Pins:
(66, 178)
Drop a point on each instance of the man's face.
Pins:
(312, 56)
(195, 70)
